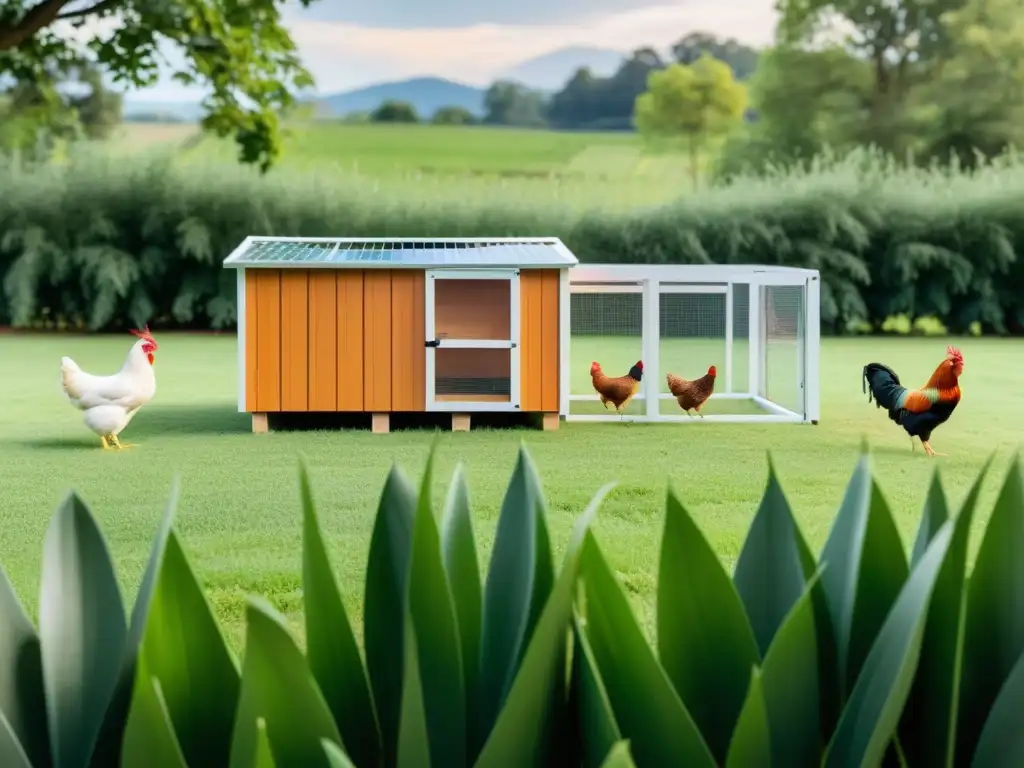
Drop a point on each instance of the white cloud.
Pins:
(343, 56)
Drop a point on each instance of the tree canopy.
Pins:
(237, 49)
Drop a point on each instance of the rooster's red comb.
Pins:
(954, 354)
(143, 334)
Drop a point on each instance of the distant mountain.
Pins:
(552, 70)
(426, 94)
(144, 110)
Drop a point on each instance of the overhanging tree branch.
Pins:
(91, 10)
(38, 16)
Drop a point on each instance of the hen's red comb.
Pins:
(143, 334)
(955, 354)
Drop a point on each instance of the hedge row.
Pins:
(105, 242)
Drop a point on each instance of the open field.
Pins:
(239, 514)
(589, 169)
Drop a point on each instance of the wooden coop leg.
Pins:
(550, 421)
(260, 423)
(460, 422)
(381, 423)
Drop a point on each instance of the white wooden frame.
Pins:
(653, 280)
(240, 312)
(512, 344)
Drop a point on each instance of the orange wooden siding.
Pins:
(323, 340)
(539, 340)
(349, 383)
(377, 340)
(294, 340)
(408, 334)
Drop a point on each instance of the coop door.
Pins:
(472, 343)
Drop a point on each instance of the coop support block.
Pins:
(260, 423)
(549, 421)
(460, 422)
(381, 423)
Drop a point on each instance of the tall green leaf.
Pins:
(458, 546)
(331, 647)
(619, 757)
(82, 631)
(769, 576)
(149, 737)
(185, 650)
(1002, 739)
(705, 642)
(108, 750)
(993, 629)
(432, 610)
(278, 687)
(934, 515)
(647, 708)
(928, 727)
(865, 569)
(876, 702)
(597, 720)
(336, 758)
(264, 752)
(509, 591)
(521, 731)
(413, 729)
(22, 700)
(790, 680)
(387, 572)
(751, 743)
(544, 568)
(11, 753)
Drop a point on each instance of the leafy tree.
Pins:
(392, 111)
(691, 103)
(741, 58)
(453, 116)
(238, 50)
(974, 107)
(579, 102)
(510, 103)
(100, 111)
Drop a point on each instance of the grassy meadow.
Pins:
(239, 508)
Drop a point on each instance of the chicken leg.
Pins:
(119, 445)
(929, 450)
(106, 446)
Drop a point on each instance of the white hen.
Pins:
(110, 402)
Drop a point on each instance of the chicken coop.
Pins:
(758, 325)
(462, 326)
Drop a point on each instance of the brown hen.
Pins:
(617, 390)
(691, 395)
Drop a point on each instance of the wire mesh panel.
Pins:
(606, 326)
(740, 359)
(782, 318)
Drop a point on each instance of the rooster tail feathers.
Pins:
(882, 384)
(68, 369)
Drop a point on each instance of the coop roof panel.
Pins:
(424, 254)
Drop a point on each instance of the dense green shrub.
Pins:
(794, 661)
(105, 242)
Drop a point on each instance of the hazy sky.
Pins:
(347, 44)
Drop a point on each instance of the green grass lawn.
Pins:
(239, 514)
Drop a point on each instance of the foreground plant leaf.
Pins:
(458, 547)
(597, 720)
(387, 573)
(433, 620)
(22, 700)
(413, 730)
(278, 687)
(751, 742)
(11, 753)
(790, 680)
(993, 630)
(619, 757)
(186, 651)
(934, 515)
(264, 753)
(927, 730)
(876, 702)
(520, 730)
(769, 576)
(108, 750)
(149, 737)
(509, 591)
(82, 631)
(1002, 739)
(336, 758)
(647, 708)
(865, 569)
(331, 647)
(705, 642)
